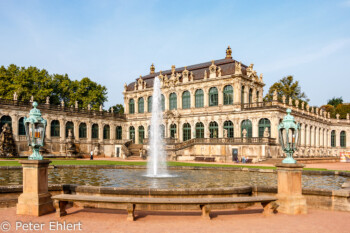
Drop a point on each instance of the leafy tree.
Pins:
(31, 81)
(118, 108)
(287, 87)
(342, 110)
(335, 101)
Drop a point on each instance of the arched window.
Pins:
(131, 106)
(82, 130)
(106, 132)
(214, 129)
(69, 126)
(172, 101)
(250, 96)
(263, 124)
(162, 131)
(228, 127)
(213, 97)
(199, 130)
(141, 134)
(333, 138)
(343, 139)
(132, 133)
(242, 95)
(199, 98)
(5, 120)
(21, 129)
(94, 131)
(119, 133)
(141, 105)
(163, 103)
(186, 129)
(228, 95)
(55, 128)
(173, 131)
(247, 126)
(149, 103)
(186, 100)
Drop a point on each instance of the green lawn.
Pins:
(132, 163)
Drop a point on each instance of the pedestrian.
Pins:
(91, 155)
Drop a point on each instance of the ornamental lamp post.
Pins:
(35, 127)
(289, 132)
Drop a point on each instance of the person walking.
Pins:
(91, 155)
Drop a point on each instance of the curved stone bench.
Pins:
(129, 203)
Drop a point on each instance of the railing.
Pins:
(167, 141)
(225, 141)
(257, 105)
(61, 108)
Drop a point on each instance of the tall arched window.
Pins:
(5, 120)
(149, 103)
(141, 104)
(132, 133)
(214, 129)
(343, 139)
(228, 95)
(213, 97)
(141, 134)
(21, 129)
(250, 96)
(228, 127)
(333, 138)
(172, 101)
(162, 131)
(263, 124)
(82, 130)
(173, 131)
(199, 130)
(163, 103)
(69, 126)
(186, 129)
(55, 128)
(119, 133)
(242, 95)
(106, 132)
(247, 126)
(186, 100)
(94, 131)
(131, 106)
(199, 98)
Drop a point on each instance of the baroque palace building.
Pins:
(213, 109)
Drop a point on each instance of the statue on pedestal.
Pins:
(7, 142)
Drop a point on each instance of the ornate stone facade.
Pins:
(210, 109)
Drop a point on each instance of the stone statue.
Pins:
(261, 77)
(284, 99)
(76, 104)
(219, 71)
(62, 104)
(302, 105)
(89, 107)
(244, 133)
(275, 96)
(7, 142)
(238, 68)
(212, 70)
(15, 96)
(228, 53)
(101, 109)
(297, 103)
(266, 132)
(32, 99)
(173, 69)
(71, 148)
(290, 101)
(125, 87)
(48, 100)
(205, 74)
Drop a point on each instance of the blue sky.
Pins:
(113, 42)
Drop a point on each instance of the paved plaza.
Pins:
(249, 220)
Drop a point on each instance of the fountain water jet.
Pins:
(156, 166)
